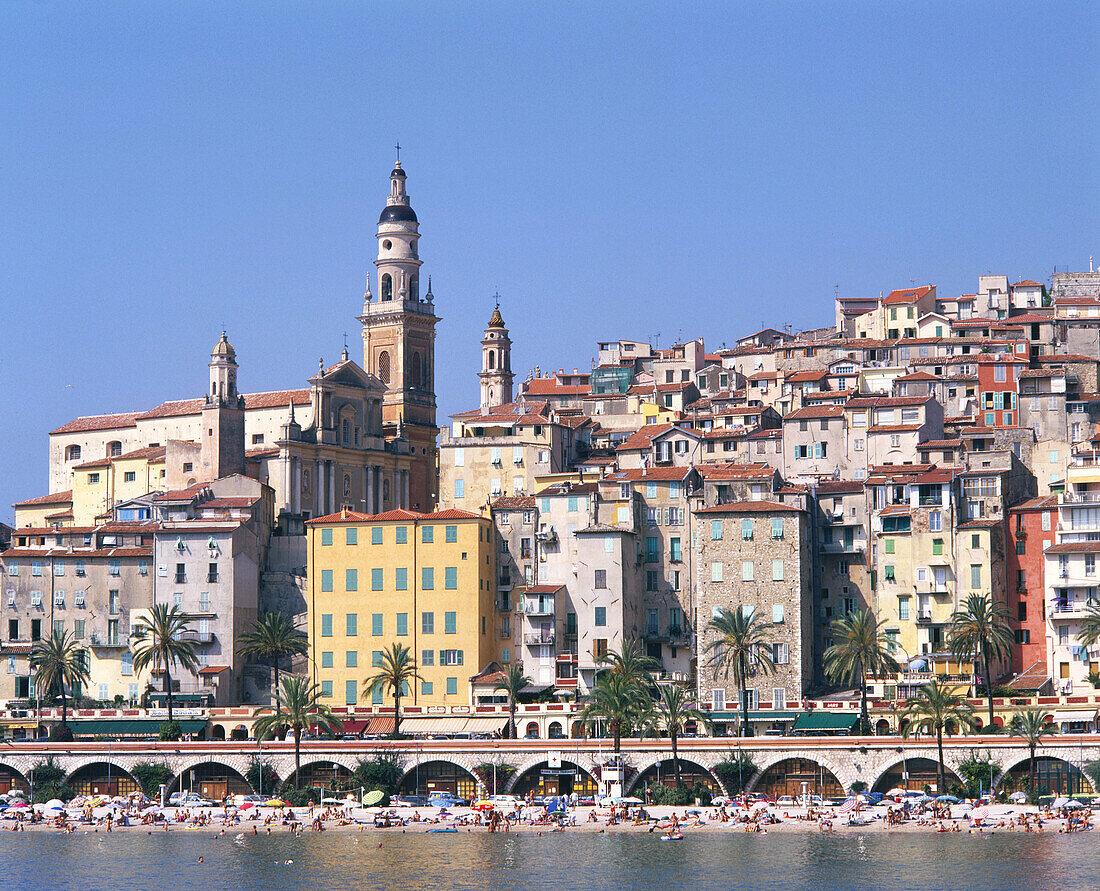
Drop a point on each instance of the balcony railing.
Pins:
(538, 638)
(929, 501)
(536, 609)
(924, 618)
(181, 577)
(197, 636)
(105, 641)
(211, 577)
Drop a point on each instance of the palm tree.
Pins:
(512, 683)
(675, 707)
(297, 706)
(397, 670)
(860, 647)
(272, 638)
(981, 630)
(932, 709)
(1089, 633)
(57, 661)
(157, 641)
(1032, 727)
(742, 645)
(619, 701)
(630, 662)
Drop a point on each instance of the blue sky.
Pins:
(615, 170)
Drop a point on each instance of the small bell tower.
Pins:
(496, 363)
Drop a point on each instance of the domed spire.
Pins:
(224, 349)
(496, 320)
(397, 209)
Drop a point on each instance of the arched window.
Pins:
(72, 453)
(492, 359)
(414, 288)
(114, 449)
(387, 287)
(347, 485)
(416, 369)
(213, 388)
(384, 366)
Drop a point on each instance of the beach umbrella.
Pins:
(1018, 796)
(373, 797)
(1061, 801)
(949, 799)
(18, 804)
(275, 802)
(849, 805)
(895, 792)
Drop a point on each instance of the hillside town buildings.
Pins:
(924, 448)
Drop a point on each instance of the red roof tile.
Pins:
(749, 507)
(89, 423)
(53, 498)
(906, 295)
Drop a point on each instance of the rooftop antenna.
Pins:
(655, 339)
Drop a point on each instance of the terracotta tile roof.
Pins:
(544, 589)
(549, 386)
(813, 412)
(97, 462)
(906, 295)
(804, 377)
(1074, 547)
(1027, 283)
(770, 433)
(1034, 677)
(98, 422)
(894, 428)
(940, 444)
(276, 398)
(650, 473)
(1047, 358)
(510, 414)
(1076, 301)
(643, 437)
(839, 487)
(1033, 318)
(233, 501)
(514, 502)
(53, 498)
(151, 453)
(917, 376)
(352, 516)
(174, 409)
(257, 454)
(1040, 372)
(749, 507)
(573, 489)
(1042, 502)
(731, 471)
(896, 510)
(886, 401)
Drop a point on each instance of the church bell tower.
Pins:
(399, 338)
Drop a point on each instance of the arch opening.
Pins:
(542, 779)
(328, 774)
(10, 779)
(1053, 776)
(914, 775)
(102, 778)
(212, 780)
(439, 776)
(387, 287)
(786, 778)
(384, 366)
(664, 773)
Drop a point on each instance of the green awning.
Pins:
(754, 716)
(818, 721)
(130, 727)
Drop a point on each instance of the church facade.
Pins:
(358, 436)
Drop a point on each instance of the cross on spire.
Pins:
(397, 146)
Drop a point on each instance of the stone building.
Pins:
(756, 555)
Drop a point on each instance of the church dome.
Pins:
(223, 349)
(496, 320)
(397, 213)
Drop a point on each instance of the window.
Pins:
(652, 549)
(781, 654)
(326, 659)
(600, 579)
(376, 579)
(113, 567)
(777, 527)
(889, 546)
(452, 686)
(326, 580)
(450, 657)
(450, 533)
(93, 478)
(777, 570)
(903, 608)
(675, 553)
(651, 577)
(427, 658)
(426, 688)
(351, 659)
(460, 488)
(450, 578)
(975, 575)
(450, 623)
(427, 623)
(888, 573)
(376, 624)
(351, 621)
(351, 580)
(402, 624)
(777, 613)
(747, 570)
(401, 534)
(326, 689)
(746, 530)
(427, 578)
(351, 689)
(935, 521)
(937, 546)
(326, 625)
(716, 571)
(715, 530)
(600, 619)
(326, 537)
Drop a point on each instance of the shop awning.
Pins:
(379, 725)
(817, 721)
(451, 725)
(734, 715)
(130, 727)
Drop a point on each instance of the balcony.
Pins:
(181, 578)
(1068, 608)
(504, 604)
(924, 618)
(109, 642)
(930, 501)
(212, 577)
(533, 608)
(675, 632)
(204, 637)
(547, 533)
(538, 638)
(654, 633)
(504, 583)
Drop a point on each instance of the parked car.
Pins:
(238, 800)
(501, 801)
(786, 801)
(410, 801)
(446, 799)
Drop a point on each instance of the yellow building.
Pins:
(425, 581)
